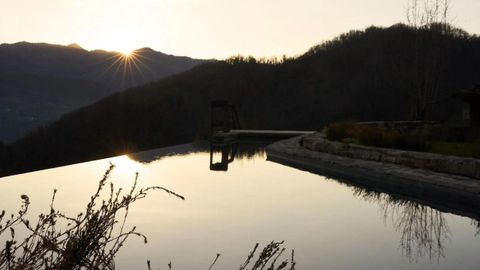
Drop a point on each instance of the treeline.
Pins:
(361, 75)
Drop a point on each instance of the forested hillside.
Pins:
(39, 82)
(395, 73)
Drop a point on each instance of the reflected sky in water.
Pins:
(329, 224)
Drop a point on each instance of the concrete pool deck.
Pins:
(454, 193)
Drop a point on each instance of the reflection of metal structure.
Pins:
(223, 116)
(228, 152)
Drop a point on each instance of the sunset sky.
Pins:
(205, 28)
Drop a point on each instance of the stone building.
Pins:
(470, 106)
(464, 126)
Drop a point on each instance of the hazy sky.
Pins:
(204, 28)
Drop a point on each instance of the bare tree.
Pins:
(426, 13)
(429, 19)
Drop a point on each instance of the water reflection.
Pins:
(228, 152)
(239, 149)
(257, 201)
(419, 217)
(476, 223)
(147, 157)
(231, 150)
(423, 229)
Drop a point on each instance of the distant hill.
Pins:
(361, 75)
(39, 82)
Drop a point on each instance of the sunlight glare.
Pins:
(123, 164)
(126, 53)
(123, 39)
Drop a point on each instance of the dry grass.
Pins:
(88, 241)
(351, 132)
(269, 256)
(93, 238)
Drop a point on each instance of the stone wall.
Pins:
(453, 193)
(435, 162)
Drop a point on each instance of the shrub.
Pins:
(340, 130)
(350, 132)
(369, 135)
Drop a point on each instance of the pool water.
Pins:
(246, 199)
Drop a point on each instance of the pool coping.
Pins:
(449, 164)
(451, 193)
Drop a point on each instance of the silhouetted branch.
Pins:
(270, 253)
(88, 241)
(214, 261)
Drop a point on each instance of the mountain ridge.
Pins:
(109, 71)
(360, 75)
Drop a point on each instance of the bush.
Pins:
(351, 132)
(369, 135)
(340, 130)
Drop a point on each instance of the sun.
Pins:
(128, 64)
(124, 39)
(126, 53)
(119, 45)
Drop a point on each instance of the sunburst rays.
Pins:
(129, 68)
